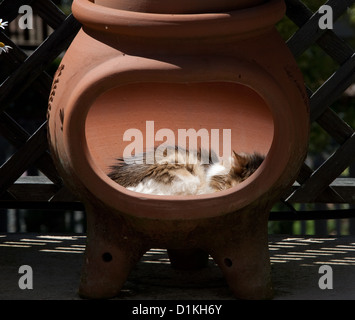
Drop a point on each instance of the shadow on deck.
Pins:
(56, 262)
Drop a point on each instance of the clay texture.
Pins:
(211, 69)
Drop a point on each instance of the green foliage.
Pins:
(314, 63)
(65, 6)
(316, 67)
(351, 14)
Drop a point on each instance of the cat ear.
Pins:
(239, 162)
(240, 158)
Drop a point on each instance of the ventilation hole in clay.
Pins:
(228, 262)
(107, 257)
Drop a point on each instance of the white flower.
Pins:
(4, 48)
(3, 24)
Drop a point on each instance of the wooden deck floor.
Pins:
(56, 262)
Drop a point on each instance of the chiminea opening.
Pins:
(221, 116)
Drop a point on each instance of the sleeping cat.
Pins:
(183, 173)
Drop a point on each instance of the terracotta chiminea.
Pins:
(186, 64)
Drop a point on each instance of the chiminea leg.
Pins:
(242, 253)
(112, 250)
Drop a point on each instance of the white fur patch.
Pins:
(216, 170)
(183, 185)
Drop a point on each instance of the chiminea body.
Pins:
(211, 65)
